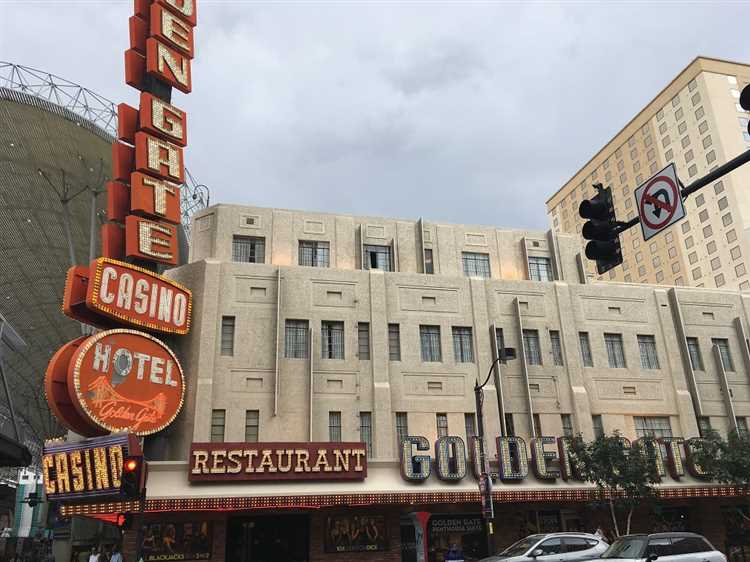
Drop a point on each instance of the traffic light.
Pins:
(133, 479)
(745, 101)
(601, 229)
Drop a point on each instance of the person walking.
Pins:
(116, 556)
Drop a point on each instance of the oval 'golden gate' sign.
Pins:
(124, 380)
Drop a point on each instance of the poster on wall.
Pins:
(355, 533)
(166, 541)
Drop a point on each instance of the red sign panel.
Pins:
(221, 462)
(123, 380)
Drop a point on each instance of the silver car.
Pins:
(553, 547)
(664, 547)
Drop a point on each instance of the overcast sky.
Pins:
(458, 112)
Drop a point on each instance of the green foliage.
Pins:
(726, 461)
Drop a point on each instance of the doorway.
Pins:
(284, 538)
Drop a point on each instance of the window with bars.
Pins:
(394, 342)
(462, 345)
(598, 424)
(540, 269)
(652, 426)
(429, 338)
(402, 426)
(567, 424)
(295, 339)
(531, 347)
(742, 426)
(586, 358)
(442, 424)
(314, 254)
(647, 348)
(227, 335)
(499, 341)
(365, 431)
(334, 427)
(726, 354)
(252, 425)
(556, 343)
(694, 350)
(615, 350)
(363, 340)
(378, 257)
(704, 426)
(332, 339)
(248, 249)
(475, 264)
(218, 421)
(510, 428)
(429, 264)
(537, 429)
(470, 424)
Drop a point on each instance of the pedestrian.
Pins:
(94, 556)
(116, 556)
(454, 554)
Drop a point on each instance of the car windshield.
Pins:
(520, 547)
(628, 547)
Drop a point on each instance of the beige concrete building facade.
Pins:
(697, 123)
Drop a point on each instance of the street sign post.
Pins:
(659, 202)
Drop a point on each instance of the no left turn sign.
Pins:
(659, 202)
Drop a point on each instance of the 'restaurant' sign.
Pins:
(219, 462)
(87, 469)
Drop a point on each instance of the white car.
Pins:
(552, 547)
(664, 547)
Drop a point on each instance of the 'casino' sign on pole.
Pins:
(123, 379)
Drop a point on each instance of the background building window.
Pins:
(557, 353)
(598, 424)
(531, 347)
(363, 340)
(332, 339)
(704, 426)
(394, 342)
(500, 341)
(540, 269)
(510, 428)
(567, 425)
(378, 257)
(429, 264)
(652, 426)
(227, 335)
(726, 355)
(476, 265)
(365, 431)
(647, 347)
(742, 426)
(442, 424)
(586, 358)
(537, 429)
(248, 249)
(462, 345)
(470, 423)
(694, 350)
(295, 339)
(218, 421)
(402, 427)
(334, 427)
(252, 425)
(313, 253)
(429, 338)
(615, 351)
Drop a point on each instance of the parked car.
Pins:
(553, 547)
(665, 547)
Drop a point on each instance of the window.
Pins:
(442, 424)
(703, 215)
(334, 427)
(726, 220)
(470, 424)
(577, 544)
(724, 352)
(429, 339)
(741, 426)
(365, 431)
(252, 422)
(531, 347)
(615, 351)
(227, 335)
(537, 425)
(689, 545)
(736, 253)
(402, 427)
(248, 249)
(394, 342)
(551, 546)
(647, 347)
(711, 156)
(363, 340)
(429, 265)
(295, 339)
(378, 257)
(586, 357)
(722, 203)
(694, 350)
(510, 428)
(598, 424)
(567, 424)
(557, 353)
(462, 345)
(704, 426)
(476, 265)
(315, 254)
(332, 340)
(218, 420)
(652, 426)
(540, 269)
(500, 341)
